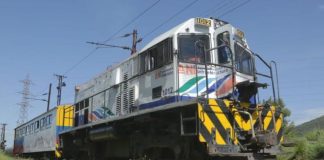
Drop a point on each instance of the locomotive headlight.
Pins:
(239, 34)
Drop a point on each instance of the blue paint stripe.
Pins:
(98, 114)
(216, 85)
(60, 129)
(212, 88)
(158, 103)
(164, 101)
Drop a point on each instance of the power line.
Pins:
(112, 36)
(132, 21)
(170, 18)
(234, 8)
(80, 61)
(220, 5)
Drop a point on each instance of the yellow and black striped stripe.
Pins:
(217, 120)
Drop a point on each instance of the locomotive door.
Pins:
(223, 58)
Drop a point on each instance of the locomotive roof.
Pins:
(165, 35)
(156, 40)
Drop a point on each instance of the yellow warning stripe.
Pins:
(225, 122)
(207, 122)
(267, 120)
(279, 123)
(219, 117)
(57, 153)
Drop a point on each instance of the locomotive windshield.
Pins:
(189, 49)
(243, 60)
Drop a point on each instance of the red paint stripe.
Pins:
(226, 87)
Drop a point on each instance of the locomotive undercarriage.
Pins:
(165, 135)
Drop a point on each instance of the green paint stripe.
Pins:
(190, 83)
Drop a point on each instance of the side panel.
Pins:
(157, 87)
(43, 139)
(192, 84)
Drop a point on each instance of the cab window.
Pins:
(191, 48)
(223, 53)
(243, 60)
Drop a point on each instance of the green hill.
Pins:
(315, 124)
(308, 140)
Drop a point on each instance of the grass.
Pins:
(309, 146)
(4, 156)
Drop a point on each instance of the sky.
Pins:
(41, 38)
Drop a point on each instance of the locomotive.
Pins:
(190, 93)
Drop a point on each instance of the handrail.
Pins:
(251, 123)
(277, 78)
(268, 76)
(205, 51)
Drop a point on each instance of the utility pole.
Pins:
(49, 97)
(59, 87)
(2, 137)
(24, 104)
(134, 42)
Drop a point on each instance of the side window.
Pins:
(142, 62)
(77, 107)
(50, 119)
(167, 51)
(81, 105)
(156, 56)
(37, 124)
(76, 120)
(42, 123)
(86, 102)
(223, 53)
(156, 92)
(147, 61)
(135, 68)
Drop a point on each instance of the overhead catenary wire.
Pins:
(112, 37)
(132, 21)
(234, 8)
(80, 61)
(219, 6)
(170, 18)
